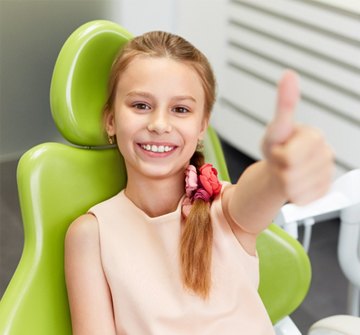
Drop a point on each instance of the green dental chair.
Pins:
(58, 182)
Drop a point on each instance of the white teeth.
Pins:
(155, 148)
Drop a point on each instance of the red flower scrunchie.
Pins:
(205, 185)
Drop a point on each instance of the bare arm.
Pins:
(297, 167)
(88, 291)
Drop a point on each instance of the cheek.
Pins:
(192, 135)
(125, 123)
(197, 129)
(125, 130)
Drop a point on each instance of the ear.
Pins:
(204, 127)
(109, 121)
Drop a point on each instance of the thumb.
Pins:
(282, 125)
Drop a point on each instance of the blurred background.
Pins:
(248, 42)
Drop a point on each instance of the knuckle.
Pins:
(316, 136)
(288, 160)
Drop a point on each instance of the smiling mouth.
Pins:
(157, 148)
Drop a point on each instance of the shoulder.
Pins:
(108, 207)
(82, 233)
(82, 247)
(84, 226)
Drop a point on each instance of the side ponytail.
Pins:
(196, 243)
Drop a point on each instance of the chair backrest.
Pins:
(59, 182)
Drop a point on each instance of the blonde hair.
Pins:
(197, 234)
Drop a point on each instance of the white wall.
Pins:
(139, 16)
(203, 22)
(31, 36)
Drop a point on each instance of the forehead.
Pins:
(161, 74)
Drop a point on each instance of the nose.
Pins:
(159, 122)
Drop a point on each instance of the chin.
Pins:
(161, 171)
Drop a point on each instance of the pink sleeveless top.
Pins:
(140, 261)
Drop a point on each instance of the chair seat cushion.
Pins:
(336, 325)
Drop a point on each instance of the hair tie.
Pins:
(201, 194)
(200, 184)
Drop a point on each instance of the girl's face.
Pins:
(158, 116)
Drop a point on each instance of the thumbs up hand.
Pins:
(299, 159)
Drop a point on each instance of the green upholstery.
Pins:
(59, 182)
(79, 86)
(285, 272)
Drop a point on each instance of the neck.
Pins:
(156, 196)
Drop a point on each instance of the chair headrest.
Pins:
(79, 83)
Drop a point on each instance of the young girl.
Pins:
(174, 252)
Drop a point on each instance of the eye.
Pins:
(181, 110)
(141, 106)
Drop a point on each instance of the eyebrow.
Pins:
(139, 93)
(149, 95)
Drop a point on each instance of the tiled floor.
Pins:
(327, 295)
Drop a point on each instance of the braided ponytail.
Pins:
(196, 243)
